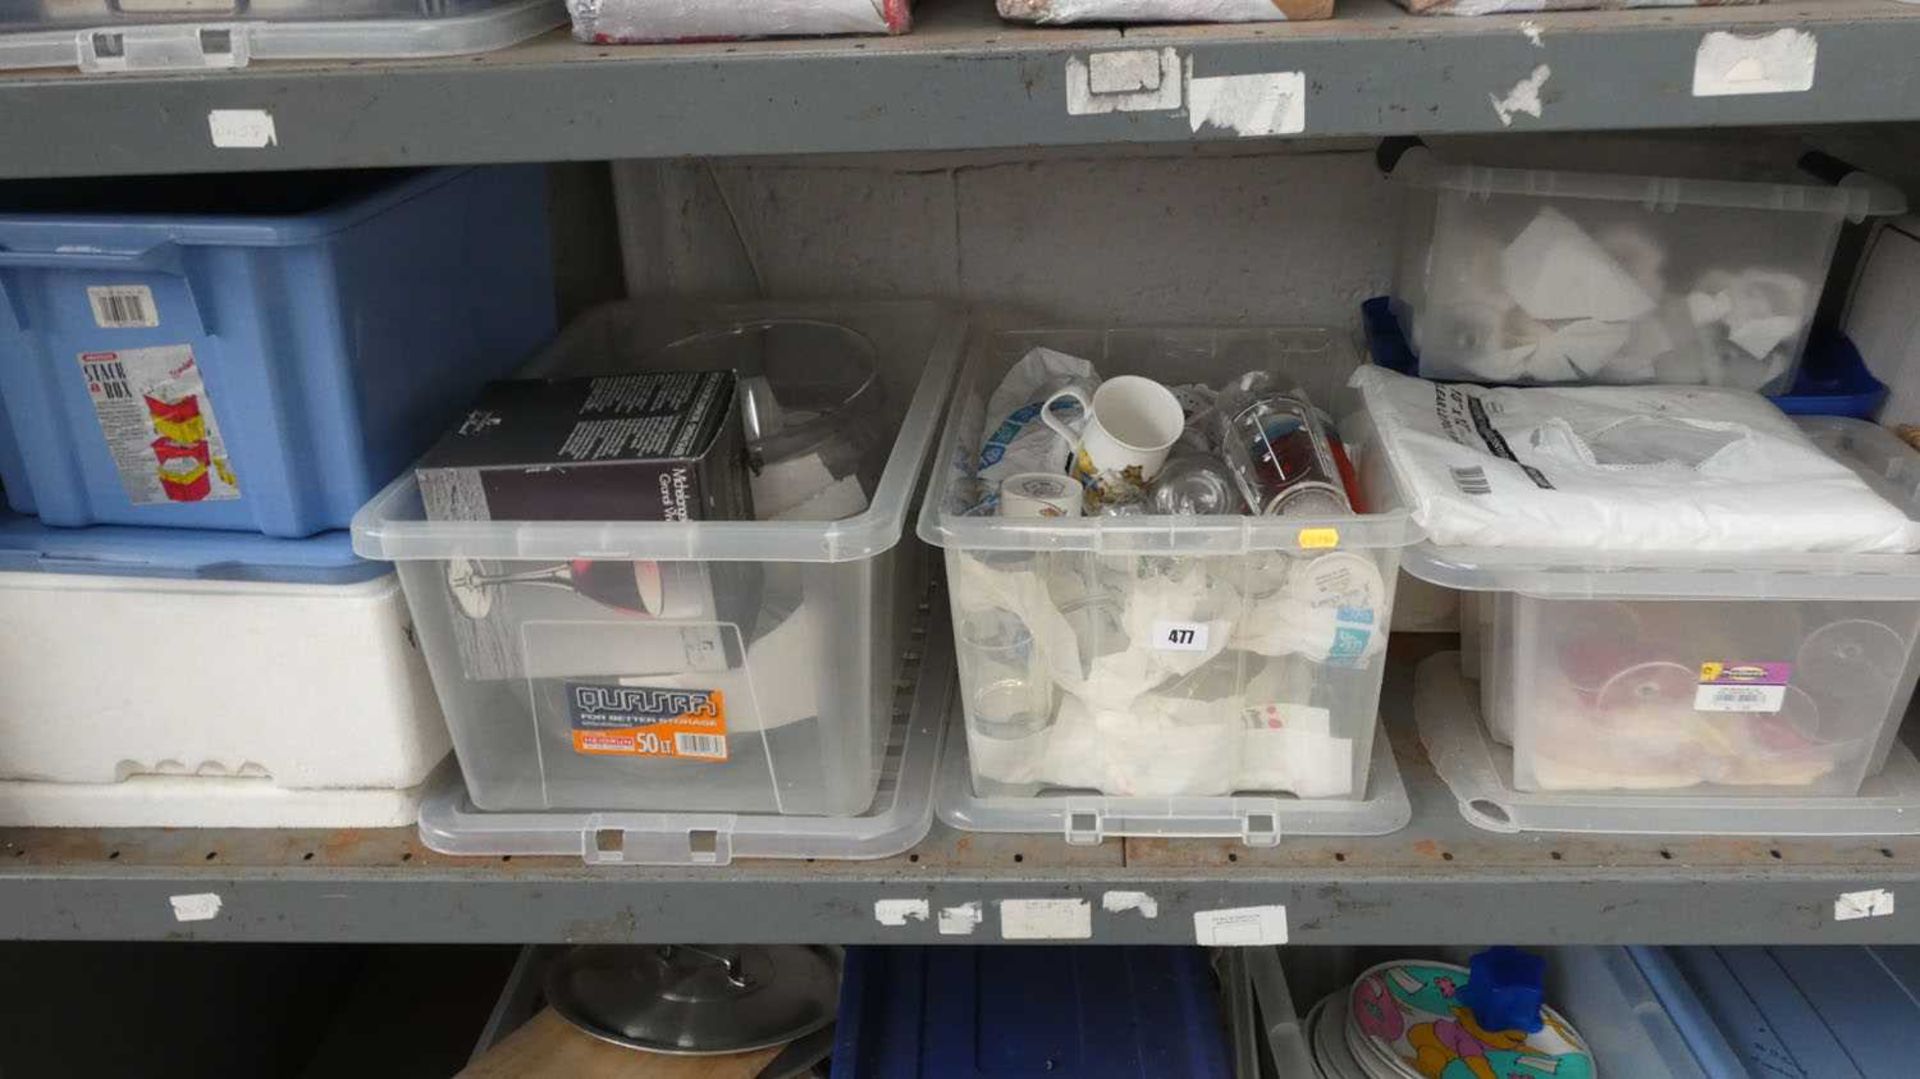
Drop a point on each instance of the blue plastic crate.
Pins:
(1833, 379)
(258, 353)
(1792, 1012)
(1060, 1012)
(28, 546)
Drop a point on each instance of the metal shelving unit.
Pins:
(961, 80)
(1440, 881)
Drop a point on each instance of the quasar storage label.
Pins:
(647, 721)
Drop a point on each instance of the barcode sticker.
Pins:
(1180, 636)
(1742, 687)
(711, 746)
(123, 307)
(1472, 481)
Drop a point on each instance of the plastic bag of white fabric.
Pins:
(1612, 468)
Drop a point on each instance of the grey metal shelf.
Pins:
(1440, 881)
(961, 80)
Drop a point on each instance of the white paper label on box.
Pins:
(199, 907)
(1272, 103)
(1728, 64)
(156, 418)
(123, 307)
(1180, 636)
(242, 129)
(1240, 927)
(1046, 919)
(1872, 903)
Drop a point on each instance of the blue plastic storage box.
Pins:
(29, 546)
(257, 353)
(1062, 1012)
(1818, 1012)
(1833, 380)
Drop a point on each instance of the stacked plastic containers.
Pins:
(201, 379)
(1083, 716)
(1794, 672)
(806, 627)
(106, 36)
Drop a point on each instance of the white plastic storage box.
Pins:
(1601, 991)
(104, 36)
(171, 677)
(1700, 675)
(1065, 678)
(1542, 277)
(258, 352)
(793, 628)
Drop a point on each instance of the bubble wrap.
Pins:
(631, 21)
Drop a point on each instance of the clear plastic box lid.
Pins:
(1317, 359)
(1480, 774)
(900, 816)
(1856, 197)
(918, 345)
(1087, 818)
(1889, 465)
(106, 36)
(27, 546)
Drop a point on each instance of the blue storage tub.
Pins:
(1844, 1012)
(29, 546)
(258, 353)
(1833, 380)
(1061, 1012)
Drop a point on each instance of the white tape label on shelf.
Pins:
(1128, 80)
(1046, 919)
(962, 920)
(1180, 636)
(1240, 927)
(1272, 103)
(1727, 64)
(897, 911)
(199, 907)
(242, 129)
(1872, 903)
(1121, 902)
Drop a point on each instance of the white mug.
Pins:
(1132, 424)
(1039, 494)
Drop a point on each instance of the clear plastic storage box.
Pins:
(103, 36)
(172, 678)
(899, 817)
(797, 626)
(1068, 677)
(1699, 675)
(1542, 277)
(258, 353)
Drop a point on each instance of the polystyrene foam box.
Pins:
(303, 686)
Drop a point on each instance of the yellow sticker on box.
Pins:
(1319, 538)
(647, 721)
